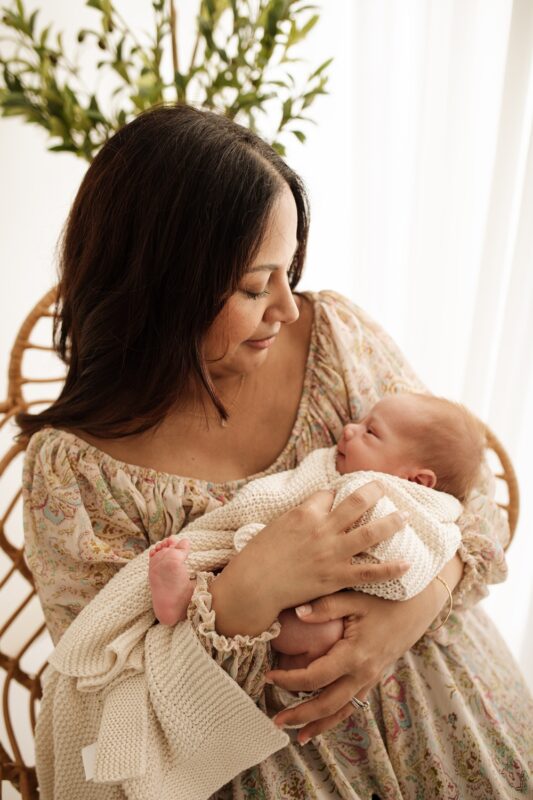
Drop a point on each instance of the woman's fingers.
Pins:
(360, 574)
(321, 711)
(366, 536)
(352, 508)
(325, 724)
(331, 606)
(321, 672)
(320, 501)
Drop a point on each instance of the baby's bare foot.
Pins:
(169, 580)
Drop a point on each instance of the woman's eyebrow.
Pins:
(270, 267)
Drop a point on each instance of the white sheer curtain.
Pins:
(433, 230)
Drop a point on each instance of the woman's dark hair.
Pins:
(168, 218)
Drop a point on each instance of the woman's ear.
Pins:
(425, 477)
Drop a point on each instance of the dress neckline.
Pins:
(154, 474)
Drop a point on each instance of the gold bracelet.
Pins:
(450, 609)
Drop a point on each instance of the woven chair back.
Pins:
(24, 641)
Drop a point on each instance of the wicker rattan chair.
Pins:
(24, 642)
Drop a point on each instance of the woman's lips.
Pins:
(260, 344)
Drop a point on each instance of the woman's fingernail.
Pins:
(277, 722)
(304, 611)
(269, 680)
(404, 515)
(303, 741)
(405, 565)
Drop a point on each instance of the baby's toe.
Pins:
(182, 544)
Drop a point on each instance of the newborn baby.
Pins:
(428, 441)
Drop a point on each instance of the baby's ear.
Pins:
(425, 477)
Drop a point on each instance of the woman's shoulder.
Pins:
(335, 310)
(50, 443)
(58, 450)
(42, 445)
(340, 324)
(65, 455)
(350, 324)
(65, 476)
(329, 298)
(51, 459)
(58, 461)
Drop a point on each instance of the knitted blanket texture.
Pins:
(159, 718)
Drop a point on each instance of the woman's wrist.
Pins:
(442, 586)
(452, 572)
(426, 607)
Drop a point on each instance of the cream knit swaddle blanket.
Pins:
(157, 716)
(428, 541)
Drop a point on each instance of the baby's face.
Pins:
(379, 441)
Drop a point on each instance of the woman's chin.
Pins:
(243, 363)
(252, 357)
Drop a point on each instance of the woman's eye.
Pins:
(255, 295)
(371, 432)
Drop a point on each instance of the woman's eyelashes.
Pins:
(255, 295)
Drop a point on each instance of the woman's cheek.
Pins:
(245, 320)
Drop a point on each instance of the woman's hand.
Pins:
(303, 554)
(376, 633)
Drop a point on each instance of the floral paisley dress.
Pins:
(451, 719)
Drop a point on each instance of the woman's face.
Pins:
(245, 330)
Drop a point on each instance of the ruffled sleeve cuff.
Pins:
(245, 658)
(485, 532)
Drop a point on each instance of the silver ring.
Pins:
(364, 704)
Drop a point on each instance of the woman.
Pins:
(190, 354)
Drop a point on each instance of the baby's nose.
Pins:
(350, 430)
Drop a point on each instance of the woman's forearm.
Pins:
(242, 607)
(240, 603)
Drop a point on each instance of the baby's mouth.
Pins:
(340, 460)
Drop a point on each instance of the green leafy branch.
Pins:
(241, 65)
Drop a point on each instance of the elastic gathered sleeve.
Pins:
(373, 366)
(246, 659)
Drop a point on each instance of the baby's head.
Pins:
(428, 440)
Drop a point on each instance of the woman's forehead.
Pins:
(272, 266)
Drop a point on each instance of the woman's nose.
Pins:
(291, 310)
(284, 309)
(287, 310)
